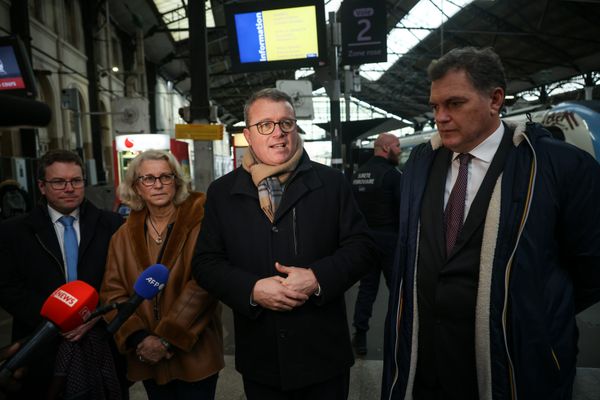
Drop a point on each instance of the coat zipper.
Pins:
(294, 226)
(399, 317)
(530, 190)
(555, 358)
(60, 264)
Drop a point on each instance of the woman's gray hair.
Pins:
(127, 192)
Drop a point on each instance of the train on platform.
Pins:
(575, 122)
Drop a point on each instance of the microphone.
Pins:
(67, 307)
(105, 309)
(18, 111)
(147, 286)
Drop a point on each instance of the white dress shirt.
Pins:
(478, 167)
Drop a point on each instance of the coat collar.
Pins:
(517, 138)
(303, 180)
(40, 222)
(188, 215)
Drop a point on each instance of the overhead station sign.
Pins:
(199, 131)
(364, 32)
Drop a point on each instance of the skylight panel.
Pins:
(424, 17)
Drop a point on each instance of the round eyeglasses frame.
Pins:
(150, 180)
(267, 127)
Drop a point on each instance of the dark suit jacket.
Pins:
(447, 285)
(32, 266)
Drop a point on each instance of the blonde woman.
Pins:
(174, 342)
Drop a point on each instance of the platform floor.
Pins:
(365, 378)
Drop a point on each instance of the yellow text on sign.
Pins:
(199, 131)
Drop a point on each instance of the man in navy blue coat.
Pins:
(498, 248)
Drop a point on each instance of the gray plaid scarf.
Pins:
(269, 179)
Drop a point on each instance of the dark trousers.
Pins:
(369, 284)
(181, 390)
(332, 389)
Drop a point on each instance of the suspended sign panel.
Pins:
(199, 131)
(364, 32)
(142, 142)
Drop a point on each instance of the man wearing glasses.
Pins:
(64, 238)
(281, 241)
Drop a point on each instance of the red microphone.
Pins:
(68, 307)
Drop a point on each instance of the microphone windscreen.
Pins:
(70, 305)
(151, 281)
(17, 111)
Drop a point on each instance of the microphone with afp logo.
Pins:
(67, 307)
(147, 286)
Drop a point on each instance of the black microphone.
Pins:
(105, 309)
(18, 111)
(67, 307)
(147, 286)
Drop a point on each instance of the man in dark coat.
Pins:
(33, 259)
(498, 248)
(281, 241)
(376, 187)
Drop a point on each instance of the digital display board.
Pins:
(276, 35)
(16, 74)
(11, 77)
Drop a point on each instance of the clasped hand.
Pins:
(77, 333)
(283, 294)
(151, 350)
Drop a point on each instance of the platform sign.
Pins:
(199, 131)
(142, 142)
(364, 32)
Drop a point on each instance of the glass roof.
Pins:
(174, 15)
(426, 16)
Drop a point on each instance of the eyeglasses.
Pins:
(150, 180)
(267, 127)
(61, 184)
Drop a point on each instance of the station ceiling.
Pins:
(541, 42)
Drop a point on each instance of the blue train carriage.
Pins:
(575, 122)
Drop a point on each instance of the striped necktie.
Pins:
(455, 209)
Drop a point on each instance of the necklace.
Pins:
(159, 238)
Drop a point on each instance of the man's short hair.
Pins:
(268, 93)
(482, 66)
(58, 155)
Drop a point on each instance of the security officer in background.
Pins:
(376, 186)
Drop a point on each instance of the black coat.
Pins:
(32, 266)
(317, 225)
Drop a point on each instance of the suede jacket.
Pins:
(188, 317)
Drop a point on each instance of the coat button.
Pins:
(274, 229)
